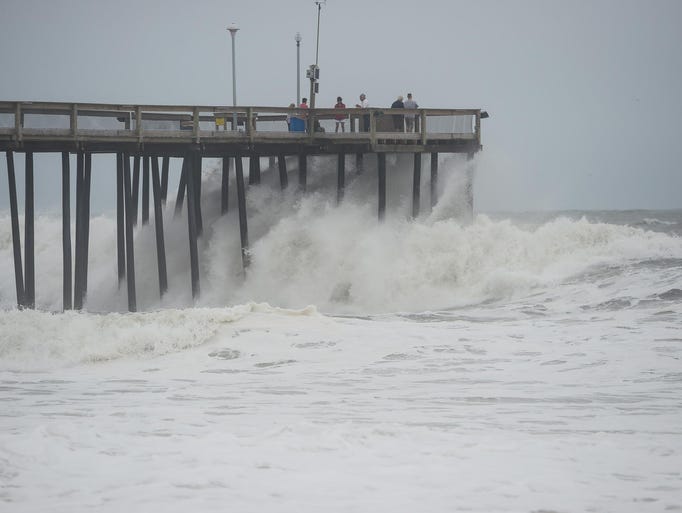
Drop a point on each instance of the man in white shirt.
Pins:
(364, 104)
(410, 104)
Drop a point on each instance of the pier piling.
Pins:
(434, 179)
(241, 203)
(283, 176)
(224, 186)
(158, 228)
(416, 184)
(120, 220)
(381, 171)
(340, 177)
(67, 288)
(130, 248)
(29, 238)
(16, 241)
(192, 227)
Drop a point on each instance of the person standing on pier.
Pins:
(398, 118)
(340, 118)
(409, 120)
(304, 116)
(364, 104)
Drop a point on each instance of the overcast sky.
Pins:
(585, 96)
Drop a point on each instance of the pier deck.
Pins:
(170, 130)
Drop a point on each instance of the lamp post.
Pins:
(298, 39)
(232, 29)
(315, 73)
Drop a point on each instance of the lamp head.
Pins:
(298, 37)
(232, 29)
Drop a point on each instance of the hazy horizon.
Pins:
(583, 96)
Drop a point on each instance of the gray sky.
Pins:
(584, 95)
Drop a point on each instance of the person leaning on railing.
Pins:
(398, 118)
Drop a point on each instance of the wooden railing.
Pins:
(35, 121)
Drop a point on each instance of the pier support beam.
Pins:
(67, 302)
(254, 170)
(29, 248)
(416, 184)
(181, 188)
(78, 264)
(83, 180)
(136, 187)
(164, 179)
(120, 220)
(158, 228)
(434, 179)
(381, 171)
(302, 171)
(224, 186)
(241, 201)
(145, 190)
(469, 187)
(359, 163)
(192, 226)
(130, 249)
(283, 176)
(16, 241)
(340, 177)
(196, 173)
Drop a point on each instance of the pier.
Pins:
(144, 138)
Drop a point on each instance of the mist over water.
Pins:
(307, 250)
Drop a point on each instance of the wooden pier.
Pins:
(150, 135)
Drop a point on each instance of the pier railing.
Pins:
(89, 122)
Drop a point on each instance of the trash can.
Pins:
(296, 125)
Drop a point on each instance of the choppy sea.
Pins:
(522, 362)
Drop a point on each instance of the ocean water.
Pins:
(506, 363)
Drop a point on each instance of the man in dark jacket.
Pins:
(398, 118)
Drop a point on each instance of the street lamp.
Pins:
(232, 29)
(315, 73)
(298, 39)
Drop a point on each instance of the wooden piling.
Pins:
(192, 227)
(67, 287)
(130, 249)
(198, 219)
(302, 171)
(340, 177)
(120, 220)
(416, 184)
(359, 163)
(78, 263)
(434, 179)
(225, 186)
(136, 187)
(164, 179)
(254, 170)
(283, 176)
(145, 190)
(469, 188)
(381, 170)
(29, 237)
(241, 202)
(86, 221)
(16, 241)
(181, 188)
(158, 228)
